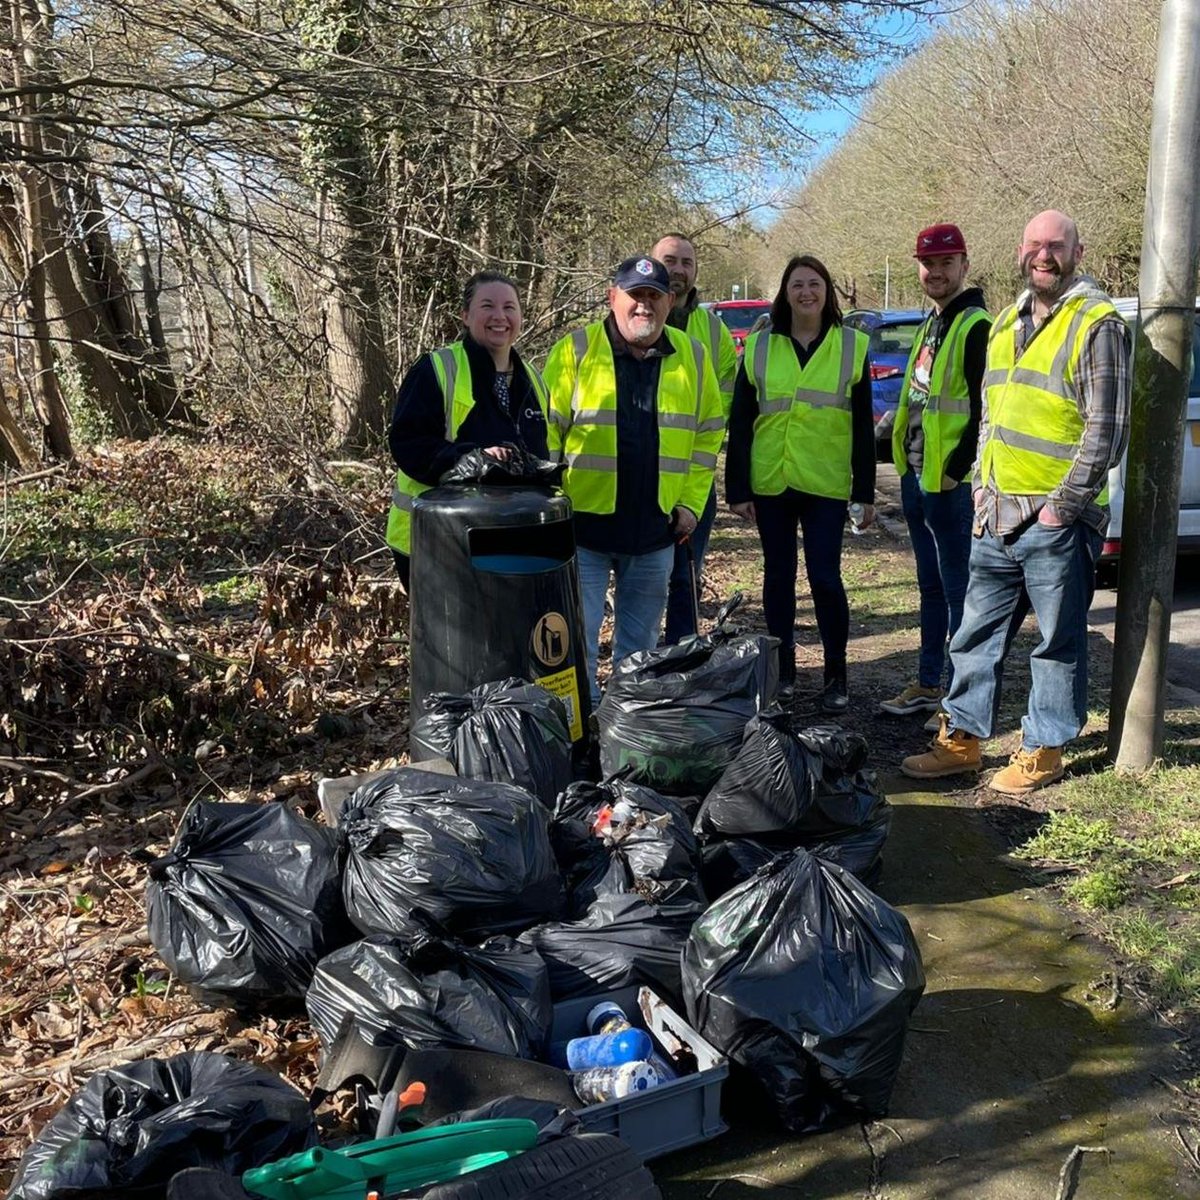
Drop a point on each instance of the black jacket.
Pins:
(417, 437)
(741, 430)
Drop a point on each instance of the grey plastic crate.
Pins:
(666, 1118)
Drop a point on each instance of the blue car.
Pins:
(892, 334)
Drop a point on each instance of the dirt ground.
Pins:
(208, 631)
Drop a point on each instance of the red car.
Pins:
(739, 315)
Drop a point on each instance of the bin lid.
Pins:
(481, 505)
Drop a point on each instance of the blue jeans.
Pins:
(1054, 570)
(679, 598)
(641, 596)
(939, 525)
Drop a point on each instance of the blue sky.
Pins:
(902, 31)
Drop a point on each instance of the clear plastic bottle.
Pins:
(599, 1084)
(857, 512)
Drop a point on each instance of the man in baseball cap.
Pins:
(636, 414)
(933, 447)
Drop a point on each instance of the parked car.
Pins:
(1188, 530)
(739, 315)
(892, 333)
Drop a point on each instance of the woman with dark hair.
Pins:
(474, 393)
(801, 450)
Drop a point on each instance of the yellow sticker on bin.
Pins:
(565, 685)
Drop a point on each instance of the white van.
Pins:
(1189, 489)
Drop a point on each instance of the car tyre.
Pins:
(588, 1166)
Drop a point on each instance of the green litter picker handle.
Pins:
(394, 1164)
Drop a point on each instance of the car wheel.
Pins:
(588, 1166)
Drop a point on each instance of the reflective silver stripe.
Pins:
(579, 340)
(844, 382)
(596, 416)
(592, 462)
(727, 388)
(1023, 375)
(539, 385)
(1062, 356)
(714, 335)
(673, 466)
(762, 347)
(558, 420)
(703, 459)
(1027, 441)
(401, 500)
(818, 399)
(712, 425)
(450, 377)
(698, 354)
(1032, 378)
(670, 420)
(774, 406)
(947, 404)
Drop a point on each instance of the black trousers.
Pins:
(822, 522)
(403, 563)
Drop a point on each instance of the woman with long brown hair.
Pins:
(801, 451)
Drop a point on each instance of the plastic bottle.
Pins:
(607, 1017)
(857, 512)
(609, 1049)
(612, 1083)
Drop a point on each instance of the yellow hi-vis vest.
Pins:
(582, 425)
(803, 431)
(453, 370)
(1034, 421)
(705, 326)
(948, 409)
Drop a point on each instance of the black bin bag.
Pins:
(622, 940)
(619, 837)
(807, 789)
(673, 718)
(726, 862)
(247, 901)
(806, 979)
(509, 731)
(133, 1127)
(474, 856)
(432, 990)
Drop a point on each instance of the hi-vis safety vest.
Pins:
(582, 431)
(948, 408)
(803, 431)
(453, 370)
(1033, 413)
(705, 326)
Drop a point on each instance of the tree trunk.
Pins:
(74, 279)
(15, 449)
(360, 381)
(27, 261)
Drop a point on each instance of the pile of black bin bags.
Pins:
(446, 911)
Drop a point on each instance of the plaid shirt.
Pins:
(1103, 378)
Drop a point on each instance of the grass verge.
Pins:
(1132, 846)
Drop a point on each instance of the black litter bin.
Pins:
(495, 594)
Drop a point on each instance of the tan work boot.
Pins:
(1028, 770)
(948, 754)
